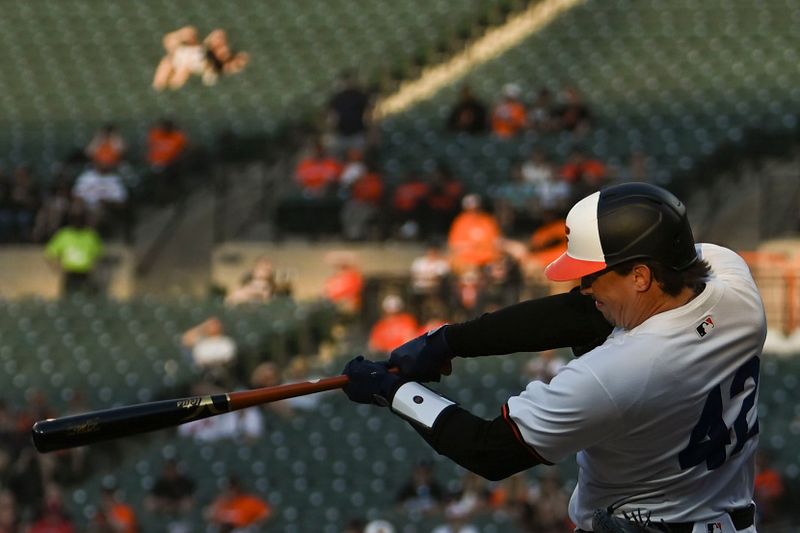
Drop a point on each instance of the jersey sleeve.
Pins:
(564, 320)
(571, 413)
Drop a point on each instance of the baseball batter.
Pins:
(661, 408)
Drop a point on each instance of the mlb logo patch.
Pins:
(714, 527)
(705, 327)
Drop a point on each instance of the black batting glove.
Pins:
(425, 358)
(370, 382)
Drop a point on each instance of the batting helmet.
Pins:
(628, 221)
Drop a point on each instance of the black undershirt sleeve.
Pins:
(490, 448)
(563, 320)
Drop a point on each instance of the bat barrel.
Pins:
(97, 426)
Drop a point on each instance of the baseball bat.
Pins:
(96, 426)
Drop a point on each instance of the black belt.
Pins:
(742, 518)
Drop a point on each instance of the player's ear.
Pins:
(642, 277)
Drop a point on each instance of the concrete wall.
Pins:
(309, 266)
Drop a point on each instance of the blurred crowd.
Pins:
(341, 187)
(102, 183)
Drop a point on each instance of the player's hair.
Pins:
(671, 281)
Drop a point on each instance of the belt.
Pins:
(742, 518)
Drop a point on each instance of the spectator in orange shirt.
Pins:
(344, 288)
(114, 514)
(166, 144)
(317, 173)
(409, 202)
(360, 214)
(235, 509)
(107, 148)
(395, 327)
(166, 147)
(475, 236)
(584, 173)
(509, 116)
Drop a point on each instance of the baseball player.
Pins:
(661, 408)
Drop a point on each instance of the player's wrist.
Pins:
(424, 358)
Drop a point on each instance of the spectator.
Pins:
(548, 242)
(468, 292)
(550, 503)
(585, 174)
(318, 173)
(166, 148)
(258, 286)
(513, 202)
(538, 168)
(211, 350)
(345, 286)
(474, 238)
(237, 511)
(379, 526)
(458, 521)
(361, 214)
(509, 116)
(421, 493)
(52, 214)
(468, 115)
(409, 205)
(443, 202)
(769, 490)
(541, 116)
(53, 517)
(8, 224)
(104, 195)
(107, 148)
(394, 328)
(75, 251)
(429, 273)
(471, 499)
(553, 196)
(434, 314)
(10, 521)
(502, 283)
(114, 515)
(573, 114)
(185, 55)
(220, 59)
(24, 201)
(354, 168)
(349, 114)
(172, 493)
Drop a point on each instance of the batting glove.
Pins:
(370, 382)
(425, 358)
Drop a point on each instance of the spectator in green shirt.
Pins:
(74, 251)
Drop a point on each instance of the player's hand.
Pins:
(370, 382)
(425, 358)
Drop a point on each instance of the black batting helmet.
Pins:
(628, 221)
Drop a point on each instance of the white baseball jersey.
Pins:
(666, 409)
